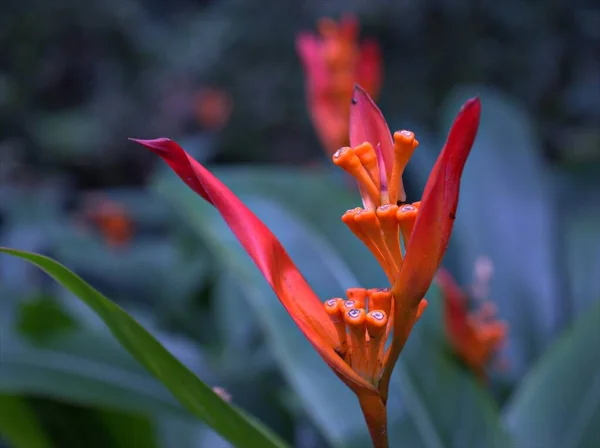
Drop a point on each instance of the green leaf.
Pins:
(41, 316)
(192, 393)
(128, 430)
(19, 424)
(558, 403)
(580, 224)
(185, 434)
(68, 368)
(138, 272)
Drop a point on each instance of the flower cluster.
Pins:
(333, 61)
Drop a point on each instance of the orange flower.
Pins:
(333, 62)
(350, 334)
(112, 220)
(212, 107)
(476, 337)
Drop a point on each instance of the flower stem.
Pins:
(375, 414)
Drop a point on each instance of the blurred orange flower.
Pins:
(477, 336)
(111, 219)
(212, 107)
(333, 62)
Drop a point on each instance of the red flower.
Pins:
(475, 337)
(333, 61)
(350, 335)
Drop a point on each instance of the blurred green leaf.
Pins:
(139, 272)
(581, 228)
(193, 394)
(558, 403)
(127, 430)
(235, 322)
(67, 134)
(83, 368)
(19, 425)
(177, 433)
(41, 316)
(326, 400)
(448, 405)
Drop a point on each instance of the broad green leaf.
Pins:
(85, 369)
(558, 403)
(139, 272)
(19, 425)
(192, 393)
(581, 224)
(177, 433)
(93, 371)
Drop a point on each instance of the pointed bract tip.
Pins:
(157, 144)
(473, 103)
(360, 93)
(358, 88)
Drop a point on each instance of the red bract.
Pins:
(475, 337)
(350, 335)
(333, 61)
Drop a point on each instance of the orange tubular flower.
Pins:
(475, 337)
(351, 335)
(333, 61)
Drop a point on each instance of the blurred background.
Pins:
(222, 77)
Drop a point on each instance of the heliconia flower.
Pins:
(350, 334)
(477, 336)
(333, 62)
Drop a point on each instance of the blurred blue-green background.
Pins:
(222, 78)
